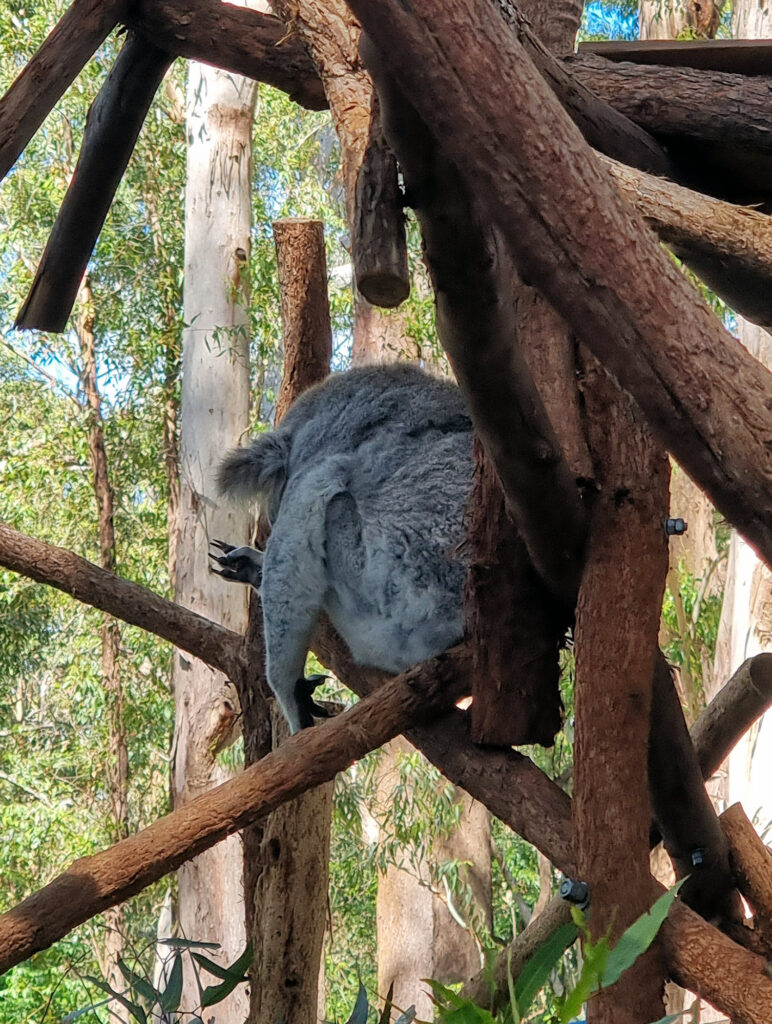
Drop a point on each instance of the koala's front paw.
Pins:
(239, 565)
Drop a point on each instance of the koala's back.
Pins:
(384, 455)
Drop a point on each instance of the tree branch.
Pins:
(57, 567)
(752, 862)
(82, 29)
(243, 41)
(736, 706)
(114, 121)
(94, 883)
(729, 247)
(572, 236)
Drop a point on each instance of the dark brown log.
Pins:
(56, 64)
(752, 863)
(63, 569)
(573, 236)
(729, 247)
(738, 56)
(682, 808)
(617, 621)
(736, 706)
(514, 629)
(305, 311)
(113, 124)
(244, 41)
(379, 240)
(308, 759)
(716, 125)
(490, 988)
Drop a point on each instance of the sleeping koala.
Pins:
(365, 484)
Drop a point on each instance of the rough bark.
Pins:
(117, 768)
(237, 39)
(305, 312)
(716, 124)
(752, 863)
(736, 981)
(214, 416)
(331, 35)
(617, 622)
(729, 247)
(286, 856)
(703, 395)
(73, 40)
(113, 124)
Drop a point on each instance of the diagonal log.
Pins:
(94, 883)
(729, 247)
(114, 121)
(237, 39)
(69, 45)
(573, 237)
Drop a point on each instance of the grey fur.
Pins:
(365, 482)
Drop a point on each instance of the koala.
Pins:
(365, 484)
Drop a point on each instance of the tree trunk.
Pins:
(118, 756)
(615, 637)
(287, 855)
(675, 19)
(214, 417)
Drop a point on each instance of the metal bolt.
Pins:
(575, 892)
(675, 527)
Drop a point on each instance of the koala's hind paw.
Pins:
(238, 565)
(307, 707)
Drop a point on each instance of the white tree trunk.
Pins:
(214, 418)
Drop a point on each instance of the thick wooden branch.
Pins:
(736, 706)
(717, 125)
(237, 39)
(573, 237)
(60, 568)
(752, 863)
(739, 56)
(56, 64)
(476, 322)
(114, 121)
(729, 247)
(94, 883)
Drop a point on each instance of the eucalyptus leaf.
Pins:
(638, 937)
(536, 970)
(170, 997)
(361, 1007)
(140, 984)
(69, 1017)
(188, 944)
(134, 1008)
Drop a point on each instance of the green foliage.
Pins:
(145, 1002)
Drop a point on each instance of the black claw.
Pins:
(226, 548)
(308, 709)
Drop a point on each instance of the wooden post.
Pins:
(286, 917)
(114, 122)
